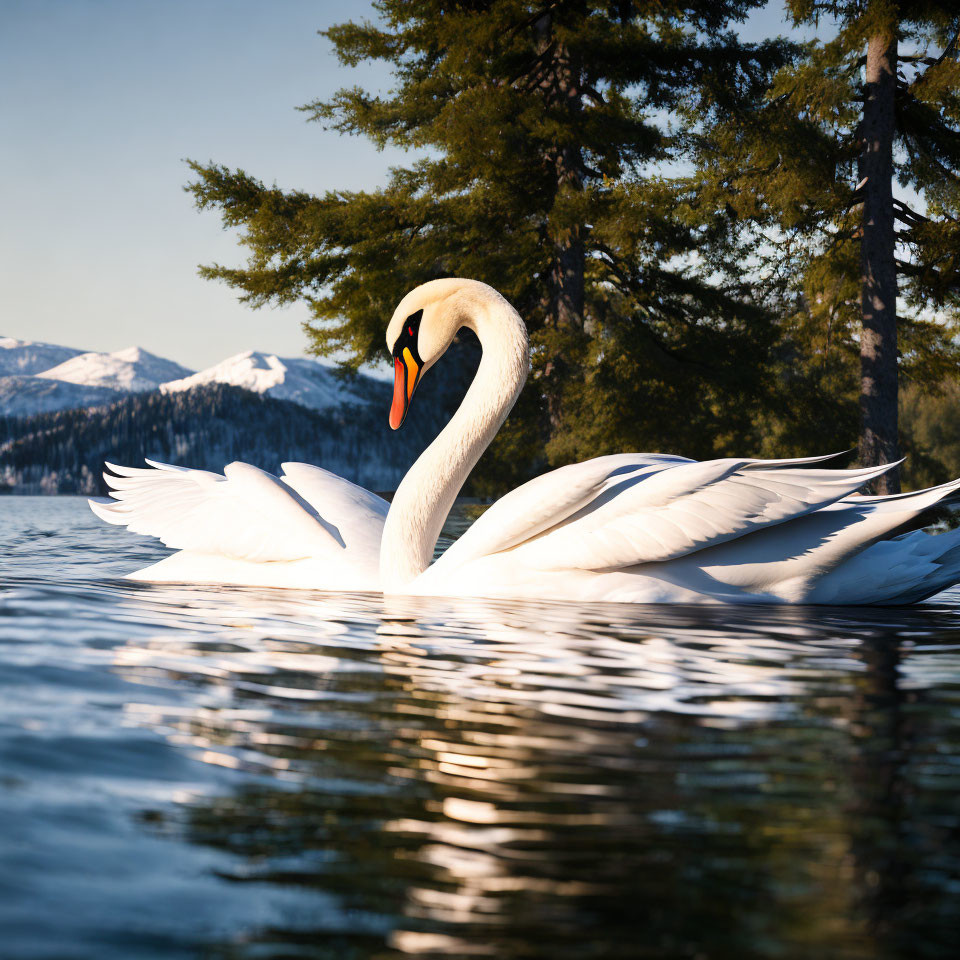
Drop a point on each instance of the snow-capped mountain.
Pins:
(26, 396)
(132, 370)
(29, 357)
(255, 407)
(42, 378)
(303, 381)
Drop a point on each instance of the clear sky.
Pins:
(101, 101)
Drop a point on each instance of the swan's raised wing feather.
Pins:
(338, 499)
(631, 509)
(547, 500)
(690, 508)
(816, 557)
(247, 513)
(355, 512)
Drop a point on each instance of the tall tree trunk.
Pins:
(567, 274)
(878, 272)
(566, 287)
(561, 86)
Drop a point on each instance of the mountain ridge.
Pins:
(131, 370)
(298, 379)
(30, 357)
(63, 452)
(59, 424)
(38, 377)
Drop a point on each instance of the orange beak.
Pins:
(406, 372)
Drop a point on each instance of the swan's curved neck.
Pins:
(426, 494)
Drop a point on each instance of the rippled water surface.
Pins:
(251, 774)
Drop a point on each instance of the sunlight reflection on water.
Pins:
(247, 773)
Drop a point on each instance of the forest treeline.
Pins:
(719, 247)
(207, 427)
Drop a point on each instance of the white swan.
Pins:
(629, 527)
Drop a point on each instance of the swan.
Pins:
(639, 528)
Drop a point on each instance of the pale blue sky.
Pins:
(100, 101)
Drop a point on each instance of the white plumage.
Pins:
(306, 528)
(728, 531)
(628, 527)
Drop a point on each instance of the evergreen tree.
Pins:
(540, 130)
(814, 164)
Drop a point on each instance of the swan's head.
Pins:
(423, 327)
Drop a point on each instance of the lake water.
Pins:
(248, 774)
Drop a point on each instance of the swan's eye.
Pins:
(408, 336)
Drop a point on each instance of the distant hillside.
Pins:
(307, 382)
(23, 358)
(206, 427)
(27, 395)
(43, 377)
(133, 370)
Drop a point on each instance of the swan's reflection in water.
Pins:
(523, 780)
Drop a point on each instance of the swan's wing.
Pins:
(841, 553)
(655, 514)
(690, 508)
(357, 513)
(903, 570)
(547, 500)
(247, 514)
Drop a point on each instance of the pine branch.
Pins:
(933, 62)
(912, 270)
(632, 285)
(613, 262)
(904, 214)
(533, 18)
(920, 147)
(533, 69)
(594, 95)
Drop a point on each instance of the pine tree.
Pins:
(815, 164)
(538, 131)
